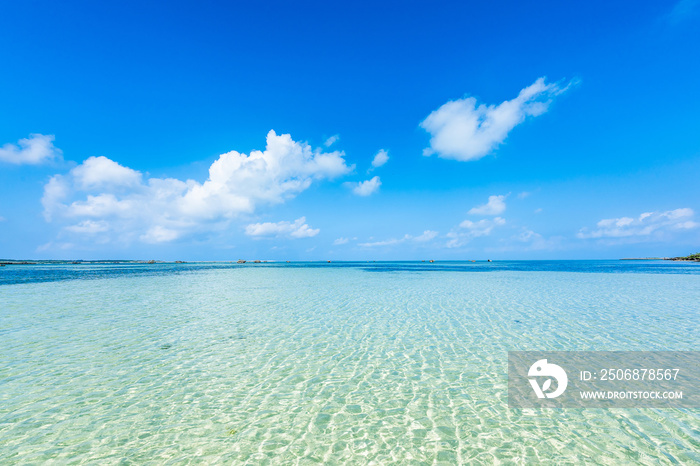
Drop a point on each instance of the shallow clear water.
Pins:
(382, 363)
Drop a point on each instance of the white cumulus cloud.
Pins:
(34, 150)
(495, 206)
(100, 206)
(55, 191)
(100, 172)
(237, 182)
(159, 234)
(156, 210)
(366, 188)
(649, 225)
(464, 129)
(296, 229)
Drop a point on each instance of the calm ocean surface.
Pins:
(382, 363)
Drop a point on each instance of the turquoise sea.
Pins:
(333, 363)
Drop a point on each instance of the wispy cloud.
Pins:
(89, 227)
(365, 188)
(466, 130)
(683, 10)
(387, 242)
(340, 241)
(296, 229)
(62, 246)
(496, 205)
(469, 230)
(34, 150)
(380, 159)
(647, 226)
(536, 242)
(331, 140)
(156, 210)
(426, 236)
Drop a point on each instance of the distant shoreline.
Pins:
(3, 262)
(691, 258)
(645, 259)
(674, 259)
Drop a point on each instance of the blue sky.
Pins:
(321, 130)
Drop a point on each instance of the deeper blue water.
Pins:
(334, 363)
